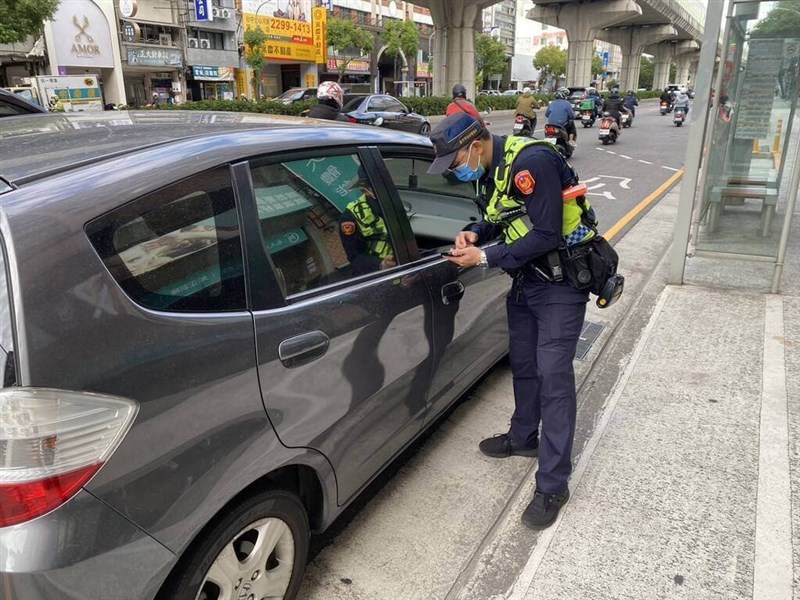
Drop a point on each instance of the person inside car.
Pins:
(330, 98)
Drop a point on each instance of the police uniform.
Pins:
(364, 236)
(545, 318)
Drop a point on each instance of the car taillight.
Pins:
(549, 130)
(51, 443)
(352, 120)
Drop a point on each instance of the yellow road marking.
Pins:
(632, 214)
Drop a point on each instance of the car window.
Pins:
(377, 104)
(320, 221)
(393, 105)
(352, 103)
(177, 249)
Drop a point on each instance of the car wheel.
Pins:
(425, 129)
(258, 550)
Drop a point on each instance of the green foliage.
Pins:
(551, 62)
(254, 40)
(782, 21)
(400, 36)
(21, 18)
(647, 69)
(490, 57)
(612, 83)
(673, 73)
(265, 106)
(597, 65)
(344, 36)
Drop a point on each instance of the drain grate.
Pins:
(589, 334)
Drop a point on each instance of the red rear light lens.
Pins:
(25, 501)
(519, 119)
(549, 130)
(352, 120)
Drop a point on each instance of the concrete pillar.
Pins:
(662, 57)
(583, 23)
(682, 76)
(632, 41)
(455, 22)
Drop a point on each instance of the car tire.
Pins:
(234, 540)
(425, 129)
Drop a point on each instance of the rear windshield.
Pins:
(7, 366)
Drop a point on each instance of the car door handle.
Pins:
(302, 349)
(452, 292)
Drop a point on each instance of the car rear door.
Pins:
(343, 355)
(469, 313)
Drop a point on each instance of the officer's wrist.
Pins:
(483, 261)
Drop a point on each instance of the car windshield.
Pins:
(352, 103)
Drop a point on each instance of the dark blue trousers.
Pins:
(545, 321)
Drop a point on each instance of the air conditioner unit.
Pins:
(205, 43)
(165, 39)
(215, 11)
(225, 13)
(194, 43)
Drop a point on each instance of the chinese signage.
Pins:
(320, 38)
(213, 73)
(754, 112)
(357, 65)
(81, 36)
(202, 10)
(423, 69)
(287, 26)
(155, 57)
(331, 177)
(278, 201)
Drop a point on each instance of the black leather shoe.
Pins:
(543, 509)
(501, 446)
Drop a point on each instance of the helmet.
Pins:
(630, 92)
(459, 90)
(561, 95)
(615, 90)
(526, 90)
(331, 90)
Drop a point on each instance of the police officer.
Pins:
(363, 232)
(521, 181)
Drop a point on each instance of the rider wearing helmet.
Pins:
(614, 106)
(559, 112)
(527, 105)
(630, 102)
(461, 104)
(330, 98)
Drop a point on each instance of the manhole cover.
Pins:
(589, 335)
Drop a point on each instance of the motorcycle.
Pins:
(679, 117)
(523, 126)
(609, 129)
(587, 118)
(665, 108)
(626, 118)
(558, 136)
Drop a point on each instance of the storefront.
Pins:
(211, 83)
(153, 70)
(356, 73)
(739, 193)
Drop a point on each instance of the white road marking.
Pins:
(608, 195)
(669, 168)
(610, 151)
(645, 162)
(624, 181)
(601, 149)
(623, 156)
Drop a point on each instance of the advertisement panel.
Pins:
(320, 21)
(287, 25)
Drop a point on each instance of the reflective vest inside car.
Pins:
(371, 227)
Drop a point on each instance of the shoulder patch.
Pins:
(525, 182)
(348, 227)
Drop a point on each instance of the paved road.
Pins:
(619, 176)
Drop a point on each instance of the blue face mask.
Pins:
(466, 173)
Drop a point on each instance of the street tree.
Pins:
(348, 42)
(551, 62)
(783, 21)
(490, 58)
(254, 40)
(647, 70)
(22, 18)
(400, 37)
(597, 65)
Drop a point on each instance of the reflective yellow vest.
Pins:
(371, 227)
(510, 213)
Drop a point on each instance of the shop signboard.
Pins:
(202, 10)
(81, 35)
(320, 21)
(201, 73)
(155, 57)
(357, 65)
(423, 69)
(287, 26)
(330, 176)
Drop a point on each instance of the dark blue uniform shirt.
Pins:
(544, 204)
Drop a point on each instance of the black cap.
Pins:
(451, 135)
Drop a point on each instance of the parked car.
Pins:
(12, 104)
(365, 108)
(197, 374)
(293, 95)
(512, 92)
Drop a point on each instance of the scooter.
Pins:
(626, 118)
(665, 108)
(558, 136)
(679, 117)
(523, 126)
(587, 118)
(609, 129)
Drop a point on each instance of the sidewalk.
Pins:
(689, 486)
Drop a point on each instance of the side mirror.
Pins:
(378, 122)
(488, 110)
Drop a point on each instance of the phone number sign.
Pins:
(286, 39)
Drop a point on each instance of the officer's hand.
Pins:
(464, 239)
(388, 262)
(465, 257)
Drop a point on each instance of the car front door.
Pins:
(342, 335)
(402, 117)
(471, 332)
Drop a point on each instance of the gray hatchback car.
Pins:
(200, 366)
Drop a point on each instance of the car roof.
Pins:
(20, 102)
(36, 146)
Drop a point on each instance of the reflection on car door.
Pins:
(344, 362)
(472, 334)
(404, 120)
